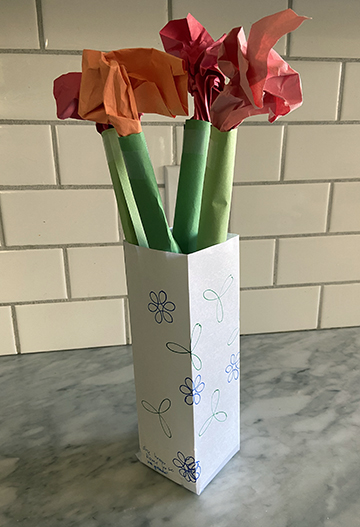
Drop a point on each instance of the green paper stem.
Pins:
(216, 199)
(191, 181)
(146, 193)
(129, 215)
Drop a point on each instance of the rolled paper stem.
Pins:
(191, 181)
(216, 199)
(129, 215)
(146, 193)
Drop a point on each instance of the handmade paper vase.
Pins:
(184, 311)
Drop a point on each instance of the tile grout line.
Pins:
(161, 185)
(287, 38)
(125, 297)
(276, 262)
(55, 148)
(67, 273)
(55, 187)
(245, 124)
(62, 300)
(320, 307)
(329, 208)
(127, 321)
(169, 10)
(2, 232)
(149, 124)
(49, 51)
(298, 235)
(243, 237)
(300, 285)
(61, 246)
(339, 101)
(324, 59)
(39, 51)
(283, 146)
(15, 329)
(40, 24)
(294, 182)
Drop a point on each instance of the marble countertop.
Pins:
(68, 439)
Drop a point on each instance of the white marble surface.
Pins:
(68, 440)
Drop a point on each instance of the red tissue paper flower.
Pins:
(187, 39)
(66, 92)
(260, 81)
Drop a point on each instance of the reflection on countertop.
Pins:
(68, 439)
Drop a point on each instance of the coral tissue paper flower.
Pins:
(117, 85)
(186, 38)
(260, 80)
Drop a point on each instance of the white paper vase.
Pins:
(184, 312)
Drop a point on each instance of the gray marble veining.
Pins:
(68, 439)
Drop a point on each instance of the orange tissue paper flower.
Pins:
(116, 86)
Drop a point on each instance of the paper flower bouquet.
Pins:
(183, 282)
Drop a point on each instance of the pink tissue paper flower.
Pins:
(260, 81)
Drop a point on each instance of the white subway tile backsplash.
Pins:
(341, 306)
(28, 90)
(7, 343)
(103, 25)
(51, 217)
(345, 215)
(171, 185)
(26, 156)
(263, 206)
(256, 262)
(319, 259)
(220, 17)
(279, 209)
(159, 142)
(82, 158)
(18, 24)
(351, 97)
(69, 325)
(31, 275)
(272, 310)
(322, 152)
(332, 32)
(319, 98)
(97, 271)
(252, 140)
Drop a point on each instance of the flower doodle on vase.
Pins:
(182, 350)
(161, 306)
(188, 467)
(232, 369)
(191, 389)
(233, 337)
(218, 416)
(213, 296)
(164, 406)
